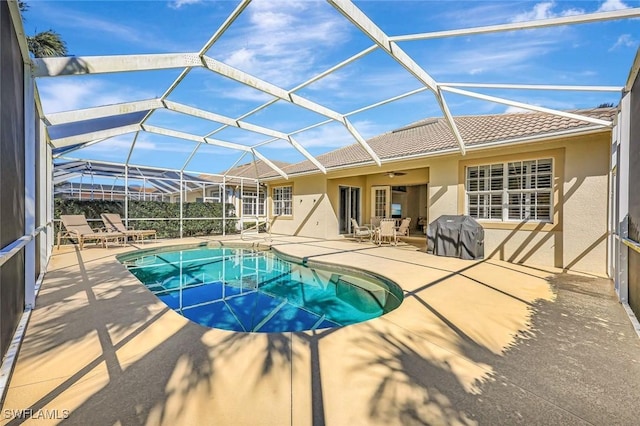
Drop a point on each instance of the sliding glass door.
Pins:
(349, 207)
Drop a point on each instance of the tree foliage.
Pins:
(191, 226)
(46, 43)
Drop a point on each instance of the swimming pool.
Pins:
(251, 290)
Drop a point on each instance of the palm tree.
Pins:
(45, 43)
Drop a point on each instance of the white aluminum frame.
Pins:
(50, 67)
(53, 67)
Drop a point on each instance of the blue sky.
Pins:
(286, 43)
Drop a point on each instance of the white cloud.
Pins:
(117, 147)
(539, 11)
(243, 93)
(477, 14)
(348, 90)
(610, 5)
(108, 29)
(283, 41)
(625, 40)
(177, 4)
(72, 93)
(332, 136)
(121, 144)
(150, 142)
(513, 109)
(544, 10)
(66, 95)
(501, 55)
(369, 129)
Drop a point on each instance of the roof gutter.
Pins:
(449, 151)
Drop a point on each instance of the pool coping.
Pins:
(389, 285)
(527, 379)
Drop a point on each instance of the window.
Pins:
(519, 190)
(213, 196)
(282, 201)
(253, 203)
(380, 197)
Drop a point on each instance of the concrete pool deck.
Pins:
(474, 342)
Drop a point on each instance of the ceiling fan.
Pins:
(391, 174)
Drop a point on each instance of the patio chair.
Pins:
(113, 223)
(403, 229)
(375, 222)
(77, 227)
(387, 232)
(360, 232)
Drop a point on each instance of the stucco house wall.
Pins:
(575, 240)
(586, 204)
(577, 237)
(313, 214)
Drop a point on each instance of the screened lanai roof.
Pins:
(166, 181)
(103, 190)
(207, 86)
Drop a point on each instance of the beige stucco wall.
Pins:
(575, 240)
(190, 197)
(313, 215)
(585, 207)
(323, 192)
(443, 187)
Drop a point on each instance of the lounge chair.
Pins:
(387, 232)
(113, 222)
(403, 229)
(360, 232)
(77, 227)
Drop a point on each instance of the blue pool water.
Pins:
(242, 289)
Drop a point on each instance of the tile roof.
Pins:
(248, 170)
(432, 135)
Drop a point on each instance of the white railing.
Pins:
(253, 232)
(10, 250)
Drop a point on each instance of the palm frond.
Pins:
(46, 43)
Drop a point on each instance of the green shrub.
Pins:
(251, 224)
(156, 209)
